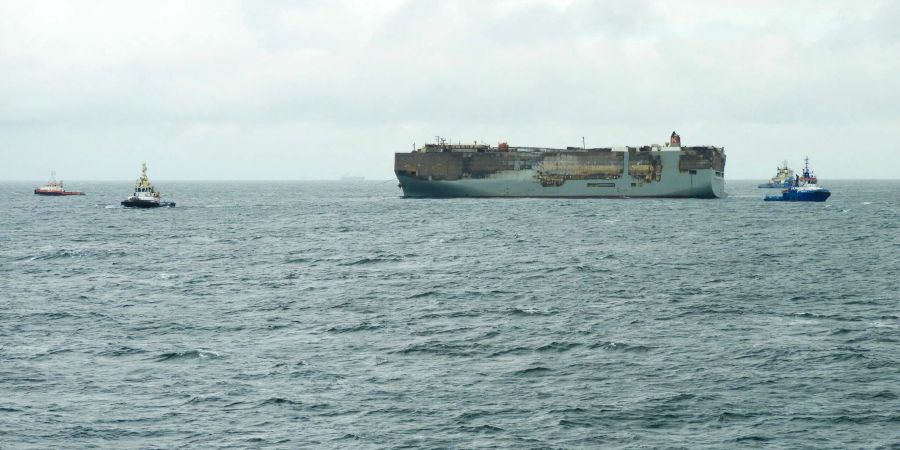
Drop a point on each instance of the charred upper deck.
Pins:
(552, 166)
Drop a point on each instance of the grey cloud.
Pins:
(288, 78)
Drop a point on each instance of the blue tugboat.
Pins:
(802, 189)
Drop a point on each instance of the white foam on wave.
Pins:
(800, 322)
(203, 354)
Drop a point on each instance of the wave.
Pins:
(553, 347)
(468, 416)
(375, 260)
(861, 419)
(121, 350)
(809, 315)
(69, 253)
(187, 355)
(480, 429)
(199, 399)
(279, 401)
(528, 312)
(59, 254)
(451, 314)
(511, 351)
(51, 315)
(533, 371)
(569, 423)
(349, 328)
(591, 269)
(558, 347)
(55, 351)
(437, 348)
(621, 347)
(841, 331)
(877, 395)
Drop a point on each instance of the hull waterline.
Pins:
(146, 204)
(57, 194)
(816, 196)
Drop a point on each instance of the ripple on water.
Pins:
(187, 355)
(309, 315)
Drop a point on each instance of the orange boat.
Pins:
(54, 188)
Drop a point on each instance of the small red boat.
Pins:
(54, 188)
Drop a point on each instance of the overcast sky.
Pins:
(319, 89)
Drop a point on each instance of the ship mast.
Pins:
(143, 181)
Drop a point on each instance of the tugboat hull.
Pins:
(146, 204)
(56, 194)
(795, 196)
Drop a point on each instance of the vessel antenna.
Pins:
(583, 146)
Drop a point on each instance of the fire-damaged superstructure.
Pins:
(480, 170)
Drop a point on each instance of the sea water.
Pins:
(337, 314)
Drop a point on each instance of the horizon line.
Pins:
(332, 179)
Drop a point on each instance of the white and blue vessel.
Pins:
(145, 195)
(807, 193)
(802, 189)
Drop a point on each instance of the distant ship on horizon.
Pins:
(784, 176)
(54, 188)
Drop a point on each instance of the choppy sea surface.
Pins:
(339, 315)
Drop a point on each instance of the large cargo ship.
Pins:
(479, 170)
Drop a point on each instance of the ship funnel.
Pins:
(674, 140)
